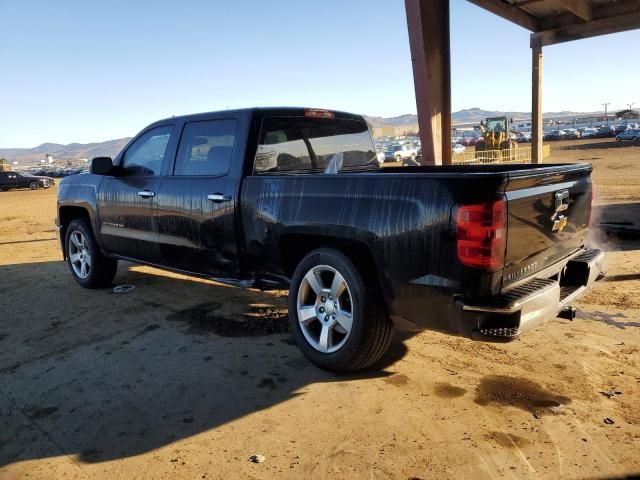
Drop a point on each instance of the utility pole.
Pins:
(630, 105)
(605, 111)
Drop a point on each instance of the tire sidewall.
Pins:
(82, 227)
(33, 185)
(341, 359)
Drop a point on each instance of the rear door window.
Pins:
(301, 144)
(206, 148)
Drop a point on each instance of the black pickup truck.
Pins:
(294, 198)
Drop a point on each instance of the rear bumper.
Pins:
(507, 316)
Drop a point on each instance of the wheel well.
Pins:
(294, 247)
(66, 215)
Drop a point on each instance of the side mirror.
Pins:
(101, 165)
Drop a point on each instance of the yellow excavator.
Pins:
(496, 134)
(4, 165)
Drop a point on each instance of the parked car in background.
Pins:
(469, 141)
(571, 134)
(523, 137)
(11, 180)
(555, 135)
(604, 132)
(620, 128)
(630, 134)
(458, 148)
(588, 132)
(397, 152)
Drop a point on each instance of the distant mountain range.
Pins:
(72, 151)
(75, 151)
(469, 115)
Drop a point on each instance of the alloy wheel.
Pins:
(325, 308)
(79, 255)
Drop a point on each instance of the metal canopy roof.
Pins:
(556, 21)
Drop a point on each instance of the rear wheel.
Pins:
(398, 158)
(338, 323)
(33, 185)
(88, 265)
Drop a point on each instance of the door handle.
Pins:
(219, 197)
(146, 194)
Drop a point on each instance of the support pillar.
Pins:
(536, 102)
(428, 25)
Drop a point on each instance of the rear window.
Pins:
(290, 144)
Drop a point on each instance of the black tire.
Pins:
(371, 330)
(34, 185)
(102, 270)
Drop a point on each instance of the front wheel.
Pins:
(88, 265)
(33, 185)
(337, 322)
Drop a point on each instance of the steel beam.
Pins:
(510, 12)
(536, 103)
(602, 26)
(579, 8)
(428, 25)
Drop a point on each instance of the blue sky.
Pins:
(79, 71)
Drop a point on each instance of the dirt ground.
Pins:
(186, 378)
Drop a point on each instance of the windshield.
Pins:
(496, 125)
(309, 144)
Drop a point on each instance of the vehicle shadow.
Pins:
(616, 226)
(100, 376)
(606, 143)
(617, 212)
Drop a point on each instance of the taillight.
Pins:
(482, 235)
(318, 113)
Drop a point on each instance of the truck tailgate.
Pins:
(548, 217)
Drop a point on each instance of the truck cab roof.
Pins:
(260, 112)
